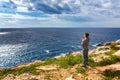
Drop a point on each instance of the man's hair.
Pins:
(86, 34)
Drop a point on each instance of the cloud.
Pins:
(63, 6)
(60, 12)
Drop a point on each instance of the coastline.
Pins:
(15, 51)
(74, 53)
(105, 57)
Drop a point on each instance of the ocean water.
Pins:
(18, 46)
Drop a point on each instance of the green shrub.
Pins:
(49, 61)
(81, 70)
(29, 69)
(69, 60)
(114, 46)
(106, 48)
(91, 61)
(5, 72)
(108, 61)
(111, 74)
(105, 62)
(48, 77)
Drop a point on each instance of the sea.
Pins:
(24, 45)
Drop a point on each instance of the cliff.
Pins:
(104, 64)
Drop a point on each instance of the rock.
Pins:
(118, 46)
(9, 77)
(69, 78)
(118, 41)
(104, 44)
(102, 52)
(106, 57)
(102, 49)
(99, 50)
(97, 59)
(26, 76)
(107, 43)
(33, 79)
(117, 53)
(114, 67)
(47, 68)
(26, 64)
(76, 53)
(79, 74)
(100, 44)
(60, 56)
(93, 51)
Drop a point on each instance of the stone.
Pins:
(117, 53)
(93, 51)
(100, 44)
(69, 78)
(27, 76)
(97, 59)
(9, 77)
(118, 41)
(47, 68)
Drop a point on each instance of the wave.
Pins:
(3, 33)
(95, 45)
(47, 51)
(76, 47)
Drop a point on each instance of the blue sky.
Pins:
(59, 13)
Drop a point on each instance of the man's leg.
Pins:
(85, 57)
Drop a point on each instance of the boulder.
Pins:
(97, 59)
(27, 76)
(9, 77)
(104, 44)
(107, 43)
(100, 44)
(70, 78)
(47, 68)
(117, 53)
(118, 41)
(93, 51)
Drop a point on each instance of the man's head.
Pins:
(86, 34)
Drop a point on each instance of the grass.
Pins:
(5, 72)
(106, 48)
(114, 46)
(64, 62)
(109, 74)
(106, 61)
(47, 77)
(69, 61)
(30, 69)
(81, 70)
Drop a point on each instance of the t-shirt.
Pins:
(85, 42)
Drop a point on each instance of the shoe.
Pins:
(83, 66)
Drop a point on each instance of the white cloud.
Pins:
(60, 12)
(81, 7)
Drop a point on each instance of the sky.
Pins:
(59, 13)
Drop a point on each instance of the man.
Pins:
(85, 46)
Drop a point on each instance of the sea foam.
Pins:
(3, 33)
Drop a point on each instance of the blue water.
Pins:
(19, 46)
